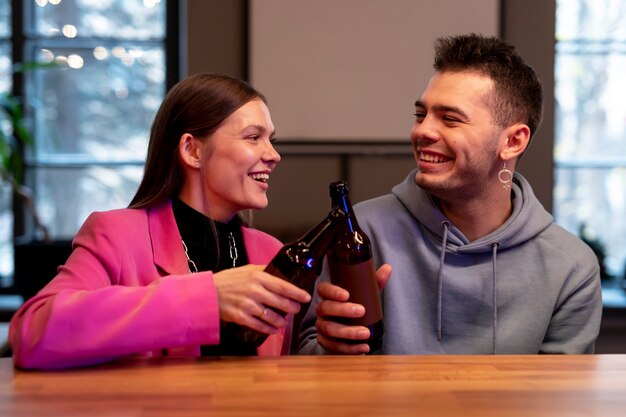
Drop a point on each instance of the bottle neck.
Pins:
(340, 201)
(320, 237)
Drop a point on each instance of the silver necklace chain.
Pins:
(192, 265)
(232, 248)
(232, 252)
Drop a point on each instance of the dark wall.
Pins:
(217, 37)
(529, 25)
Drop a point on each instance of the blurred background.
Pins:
(81, 81)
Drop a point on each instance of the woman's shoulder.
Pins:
(122, 215)
(117, 222)
(260, 246)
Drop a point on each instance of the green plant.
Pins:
(14, 138)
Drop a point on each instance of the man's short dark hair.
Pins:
(518, 92)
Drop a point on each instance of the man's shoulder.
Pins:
(566, 238)
(384, 213)
(377, 204)
(566, 246)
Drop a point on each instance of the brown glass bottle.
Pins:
(351, 267)
(300, 263)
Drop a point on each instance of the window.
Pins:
(5, 46)
(91, 115)
(590, 126)
(90, 111)
(6, 216)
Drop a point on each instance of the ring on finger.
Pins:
(263, 313)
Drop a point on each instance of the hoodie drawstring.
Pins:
(494, 295)
(494, 292)
(442, 257)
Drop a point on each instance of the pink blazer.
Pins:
(126, 290)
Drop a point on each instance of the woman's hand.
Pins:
(331, 335)
(245, 295)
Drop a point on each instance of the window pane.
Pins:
(6, 233)
(5, 18)
(590, 125)
(594, 199)
(91, 114)
(590, 19)
(6, 64)
(99, 105)
(120, 19)
(6, 206)
(591, 117)
(66, 196)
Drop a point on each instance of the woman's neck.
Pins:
(197, 202)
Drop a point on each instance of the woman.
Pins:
(169, 275)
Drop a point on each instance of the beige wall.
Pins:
(218, 41)
(351, 70)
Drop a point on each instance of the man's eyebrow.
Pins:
(442, 108)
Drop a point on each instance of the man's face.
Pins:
(455, 141)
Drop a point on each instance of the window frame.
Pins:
(23, 223)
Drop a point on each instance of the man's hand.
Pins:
(341, 338)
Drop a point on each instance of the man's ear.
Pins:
(516, 139)
(189, 150)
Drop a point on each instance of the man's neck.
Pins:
(477, 218)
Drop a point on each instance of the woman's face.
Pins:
(238, 160)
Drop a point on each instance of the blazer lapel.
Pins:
(167, 246)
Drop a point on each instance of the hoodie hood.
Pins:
(527, 220)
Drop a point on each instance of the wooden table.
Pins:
(528, 386)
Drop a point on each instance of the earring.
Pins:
(505, 176)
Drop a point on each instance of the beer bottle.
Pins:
(300, 263)
(351, 267)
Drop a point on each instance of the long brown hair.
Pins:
(196, 105)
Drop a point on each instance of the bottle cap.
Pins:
(340, 186)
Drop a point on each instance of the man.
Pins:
(479, 266)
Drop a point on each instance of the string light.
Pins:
(69, 31)
(100, 53)
(75, 61)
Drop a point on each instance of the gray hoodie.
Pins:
(528, 287)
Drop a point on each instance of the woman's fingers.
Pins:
(251, 297)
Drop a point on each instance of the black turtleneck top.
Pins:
(213, 246)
